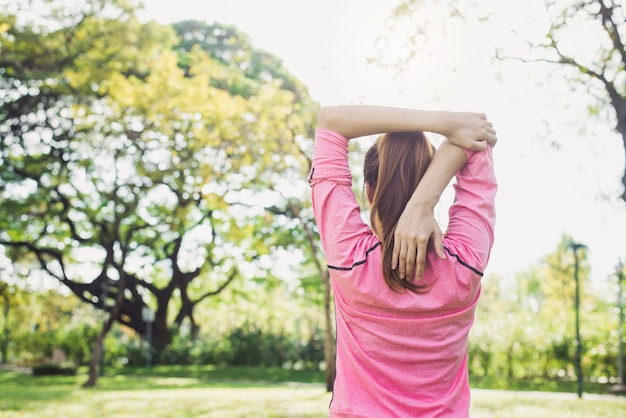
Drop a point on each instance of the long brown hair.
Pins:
(393, 167)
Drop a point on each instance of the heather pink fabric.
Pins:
(401, 354)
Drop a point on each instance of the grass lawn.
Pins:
(250, 392)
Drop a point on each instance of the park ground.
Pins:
(245, 393)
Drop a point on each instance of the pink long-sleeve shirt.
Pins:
(401, 354)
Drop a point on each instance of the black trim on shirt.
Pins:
(463, 263)
(358, 263)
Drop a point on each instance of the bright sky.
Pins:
(544, 191)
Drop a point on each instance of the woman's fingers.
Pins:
(438, 243)
(409, 262)
(403, 258)
(411, 249)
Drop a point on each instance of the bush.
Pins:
(217, 351)
(311, 354)
(247, 345)
(177, 352)
(53, 369)
(77, 342)
(253, 347)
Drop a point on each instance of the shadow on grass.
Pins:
(171, 377)
(227, 374)
(165, 392)
(19, 388)
(20, 385)
(538, 385)
(201, 391)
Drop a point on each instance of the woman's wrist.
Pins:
(421, 203)
(440, 122)
(447, 161)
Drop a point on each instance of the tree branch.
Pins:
(606, 14)
(230, 278)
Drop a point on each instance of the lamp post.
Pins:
(579, 375)
(105, 294)
(147, 315)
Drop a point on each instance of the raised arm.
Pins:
(417, 223)
(465, 129)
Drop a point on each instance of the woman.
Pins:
(401, 336)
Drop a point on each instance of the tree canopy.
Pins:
(138, 157)
(584, 40)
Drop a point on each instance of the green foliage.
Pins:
(136, 155)
(248, 345)
(76, 342)
(39, 322)
(525, 329)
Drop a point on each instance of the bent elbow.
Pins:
(328, 118)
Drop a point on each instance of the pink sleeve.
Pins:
(337, 212)
(472, 216)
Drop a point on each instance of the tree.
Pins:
(601, 62)
(283, 158)
(127, 150)
(595, 62)
(526, 326)
(7, 298)
(582, 41)
(307, 240)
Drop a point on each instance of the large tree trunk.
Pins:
(509, 362)
(4, 348)
(97, 353)
(96, 356)
(620, 110)
(329, 335)
(624, 176)
(98, 349)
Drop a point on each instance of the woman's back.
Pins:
(401, 353)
